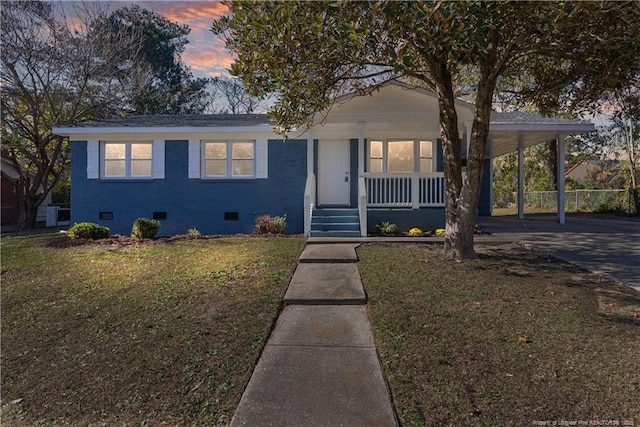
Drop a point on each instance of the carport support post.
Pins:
(520, 176)
(561, 182)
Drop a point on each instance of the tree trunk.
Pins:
(458, 243)
(462, 195)
(28, 200)
(631, 151)
(636, 200)
(28, 214)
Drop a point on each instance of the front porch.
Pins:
(382, 156)
(381, 196)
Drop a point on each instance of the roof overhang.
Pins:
(176, 132)
(505, 138)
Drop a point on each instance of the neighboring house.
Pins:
(369, 159)
(10, 207)
(588, 169)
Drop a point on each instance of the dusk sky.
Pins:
(205, 54)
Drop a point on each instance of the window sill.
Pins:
(227, 180)
(129, 180)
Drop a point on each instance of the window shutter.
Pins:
(194, 159)
(439, 156)
(262, 158)
(93, 159)
(157, 159)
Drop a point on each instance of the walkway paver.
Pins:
(320, 366)
(323, 325)
(330, 253)
(326, 284)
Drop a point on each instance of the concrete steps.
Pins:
(335, 223)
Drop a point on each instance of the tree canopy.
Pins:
(309, 52)
(171, 88)
(55, 72)
(59, 69)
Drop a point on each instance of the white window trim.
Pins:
(419, 157)
(261, 159)
(93, 159)
(416, 154)
(96, 155)
(228, 160)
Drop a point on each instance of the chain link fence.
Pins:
(579, 200)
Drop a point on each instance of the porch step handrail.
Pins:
(414, 190)
(362, 205)
(309, 201)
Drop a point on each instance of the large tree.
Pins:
(56, 71)
(227, 95)
(308, 52)
(171, 88)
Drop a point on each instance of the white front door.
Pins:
(333, 173)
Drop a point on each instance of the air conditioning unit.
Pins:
(58, 215)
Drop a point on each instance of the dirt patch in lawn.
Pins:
(512, 338)
(136, 334)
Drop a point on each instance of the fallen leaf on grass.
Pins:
(523, 339)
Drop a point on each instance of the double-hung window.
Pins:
(228, 159)
(426, 156)
(400, 156)
(127, 160)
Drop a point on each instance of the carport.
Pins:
(515, 131)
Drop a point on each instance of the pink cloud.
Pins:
(205, 54)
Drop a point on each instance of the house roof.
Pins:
(186, 120)
(395, 109)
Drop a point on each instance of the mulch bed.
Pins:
(121, 241)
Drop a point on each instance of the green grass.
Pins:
(508, 339)
(138, 335)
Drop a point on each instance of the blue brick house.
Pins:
(369, 159)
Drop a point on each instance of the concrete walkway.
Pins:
(320, 366)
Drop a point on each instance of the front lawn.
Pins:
(149, 334)
(511, 339)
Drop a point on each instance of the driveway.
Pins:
(603, 245)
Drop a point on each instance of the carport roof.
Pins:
(508, 129)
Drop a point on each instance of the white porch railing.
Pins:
(309, 201)
(414, 190)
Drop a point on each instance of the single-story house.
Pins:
(589, 169)
(368, 159)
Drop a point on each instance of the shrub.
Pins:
(88, 230)
(266, 224)
(145, 228)
(415, 231)
(194, 232)
(440, 232)
(386, 228)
